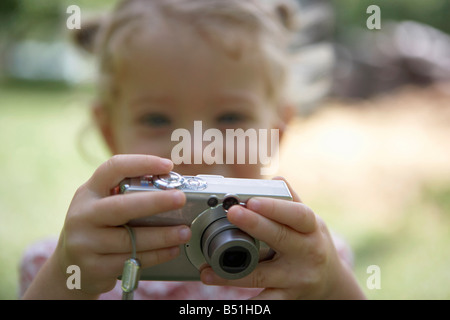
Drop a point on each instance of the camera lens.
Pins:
(235, 259)
(230, 252)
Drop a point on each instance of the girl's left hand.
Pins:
(306, 264)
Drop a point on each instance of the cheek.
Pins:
(127, 139)
(136, 145)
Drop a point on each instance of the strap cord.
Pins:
(131, 270)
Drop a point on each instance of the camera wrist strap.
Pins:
(131, 270)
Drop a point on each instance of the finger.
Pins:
(155, 257)
(119, 167)
(265, 275)
(278, 236)
(272, 294)
(120, 209)
(112, 264)
(297, 216)
(117, 239)
(295, 196)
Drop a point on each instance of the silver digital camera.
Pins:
(230, 252)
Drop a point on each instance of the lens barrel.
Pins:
(230, 252)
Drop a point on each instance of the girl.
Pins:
(163, 65)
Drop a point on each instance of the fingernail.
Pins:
(166, 162)
(178, 197)
(236, 214)
(208, 277)
(184, 234)
(174, 252)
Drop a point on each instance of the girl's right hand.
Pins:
(92, 237)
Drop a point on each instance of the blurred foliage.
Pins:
(40, 19)
(35, 19)
(352, 13)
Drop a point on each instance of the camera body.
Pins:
(230, 252)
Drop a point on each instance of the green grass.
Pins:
(413, 255)
(40, 166)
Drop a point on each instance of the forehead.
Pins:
(178, 58)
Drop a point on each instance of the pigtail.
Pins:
(286, 14)
(86, 37)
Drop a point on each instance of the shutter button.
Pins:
(171, 180)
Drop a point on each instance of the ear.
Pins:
(286, 113)
(103, 121)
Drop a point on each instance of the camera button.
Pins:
(171, 180)
(146, 181)
(229, 201)
(213, 201)
(195, 183)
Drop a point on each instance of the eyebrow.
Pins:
(158, 100)
(235, 96)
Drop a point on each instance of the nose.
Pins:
(198, 148)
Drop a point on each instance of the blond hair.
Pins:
(235, 26)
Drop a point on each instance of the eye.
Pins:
(231, 118)
(155, 120)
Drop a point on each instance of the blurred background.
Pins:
(370, 145)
